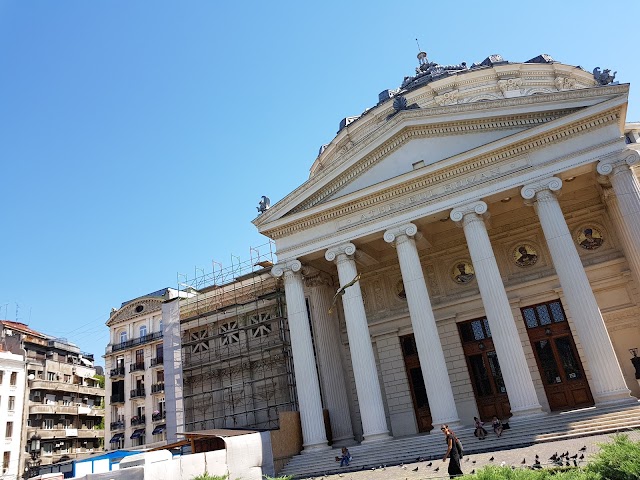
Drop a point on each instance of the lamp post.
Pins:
(34, 451)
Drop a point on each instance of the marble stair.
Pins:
(523, 432)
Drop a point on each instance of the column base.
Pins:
(376, 437)
(317, 447)
(344, 442)
(534, 411)
(614, 398)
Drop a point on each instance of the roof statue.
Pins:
(264, 204)
(427, 71)
(604, 77)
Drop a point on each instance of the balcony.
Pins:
(116, 426)
(135, 367)
(60, 433)
(137, 393)
(52, 386)
(115, 347)
(157, 387)
(116, 372)
(141, 420)
(157, 362)
(158, 417)
(117, 399)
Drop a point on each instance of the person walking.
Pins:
(453, 452)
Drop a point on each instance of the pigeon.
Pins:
(583, 449)
(429, 464)
(404, 467)
(502, 464)
(566, 455)
(437, 469)
(574, 457)
(473, 461)
(537, 457)
(415, 469)
(524, 460)
(491, 459)
(575, 464)
(473, 471)
(467, 459)
(554, 457)
(341, 291)
(581, 457)
(418, 459)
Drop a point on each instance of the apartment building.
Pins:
(12, 388)
(64, 402)
(136, 412)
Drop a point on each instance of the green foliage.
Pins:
(206, 476)
(100, 379)
(618, 460)
(506, 473)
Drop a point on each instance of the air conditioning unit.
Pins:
(37, 395)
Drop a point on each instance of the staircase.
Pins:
(523, 432)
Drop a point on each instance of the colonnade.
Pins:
(607, 382)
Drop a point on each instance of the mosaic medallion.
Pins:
(590, 238)
(463, 272)
(525, 255)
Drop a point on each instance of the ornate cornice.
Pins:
(128, 312)
(477, 164)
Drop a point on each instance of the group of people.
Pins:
(454, 446)
(481, 433)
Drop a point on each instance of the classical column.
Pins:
(425, 331)
(309, 402)
(607, 382)
(326, 334)
(513, 363)
(374, 422)
(625, 204)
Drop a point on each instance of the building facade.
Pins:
(134, 373)
(64, 401)
(483, 224)
(12, 394)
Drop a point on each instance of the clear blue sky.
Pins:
(136, 138)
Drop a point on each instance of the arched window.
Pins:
(123, 336)
(143, 331)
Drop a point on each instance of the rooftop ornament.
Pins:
(427, 71)
(264, 204)
(604, 77)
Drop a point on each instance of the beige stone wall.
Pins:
(287, 440)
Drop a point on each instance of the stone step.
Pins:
(524, 431)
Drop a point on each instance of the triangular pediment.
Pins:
(422, 141)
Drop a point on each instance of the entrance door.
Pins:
(416, 383)
(484, 369)
(555, 351)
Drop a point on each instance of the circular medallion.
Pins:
(525, 255)
(463, 272)
(399, 289)
(590, 238)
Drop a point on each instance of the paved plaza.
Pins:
(473, 462)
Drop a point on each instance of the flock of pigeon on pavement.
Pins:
(556, 460)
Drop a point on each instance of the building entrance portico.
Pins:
(422, 218)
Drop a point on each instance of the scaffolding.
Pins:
(236, 351)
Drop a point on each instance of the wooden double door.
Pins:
(416, 383)
(557, 357)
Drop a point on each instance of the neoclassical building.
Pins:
(490, 218)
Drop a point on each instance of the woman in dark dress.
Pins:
(452, 452)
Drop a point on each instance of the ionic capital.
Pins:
(408, 229)
(286, 267)
(476, 209)
(626, 159)
(533, 190)
(343, 249)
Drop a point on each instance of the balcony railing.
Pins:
(134, 367)
(138, 392)
(117, 398)
(136, 341)
(116, 372)
(157, 387)
(116, 426)
(157, 362)
(141, 420)
(157, 417)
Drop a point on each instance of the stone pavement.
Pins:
(513, 457)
